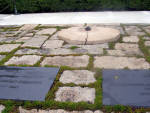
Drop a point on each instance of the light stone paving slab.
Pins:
(2, 108)
(133, 39)
(77, 77)
(61, 51)
(22, 110)
(73, 35)
(147, 43)
(75, 94)
(53, 44)
(72, 61)
(104, 45)
(147, 29)
(48, 31)
(116, 53)
(1, 57)
(99, 35)
(146, 38)
(8, 47)
(134, 31)
(33, 51)
(29, 35)
(36, 41)
(111, 62)
(23, 39)
(24, 60)
(130, 49)
(54, 37)
(27, 27)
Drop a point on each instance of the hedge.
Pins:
(33, 6)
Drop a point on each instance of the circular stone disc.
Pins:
(97, 35)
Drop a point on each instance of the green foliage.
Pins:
(33, 6)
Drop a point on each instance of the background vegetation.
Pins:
(33, 6)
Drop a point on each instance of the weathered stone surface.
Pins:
(133, 39)
(116, 53)
(29, 35)
(75, 94)
(21, 110)
(53, 44)
(23, 60)
(102, 35)
(72, 61)
(61, 51)
(36, 41)
(28, 27)
(23, 39)
(33, 51)
(147, 29)
(1, 57)
(8, 47)
(146, 38)
(134, 31)
(48, 31)
(73, 35)
(105, 45)
(54, 37)
(147, 43)
(8, 39)
(2, 108)
(111, 62)
(130, 49)
(78, 77)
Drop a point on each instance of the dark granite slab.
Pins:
(26, 83)
(126, 87)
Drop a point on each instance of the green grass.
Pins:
(74, 47)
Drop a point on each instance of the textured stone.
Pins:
(36, 41)
(53, 44)
(102, 35)
(111, 62)
(2, 108)
(21, 110)
(133, 39)
(8, 47)
(8, 39)
(146, 38)
(73, 35)
(134, 31)
(33, 51)
(75, 94)
(29, 35)
(147, 43)
(72, 61)
(28, 27)
(130, 49)
(61, 51)
(23, 39)
(48, 31)
(54, 37)
(116, 53)
(23, 60)
(147, 29)
(77, 77)
(1, 57)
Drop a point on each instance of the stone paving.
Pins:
(40, 45)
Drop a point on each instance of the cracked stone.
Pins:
(8, 47)
(53, 44)
(75, 94)
(36, 41)
(133, 39)
(24, 60)
(48, 31)
(111, 62)
(72, 61)
(23, 39)
(130, 49)
(77, 77)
